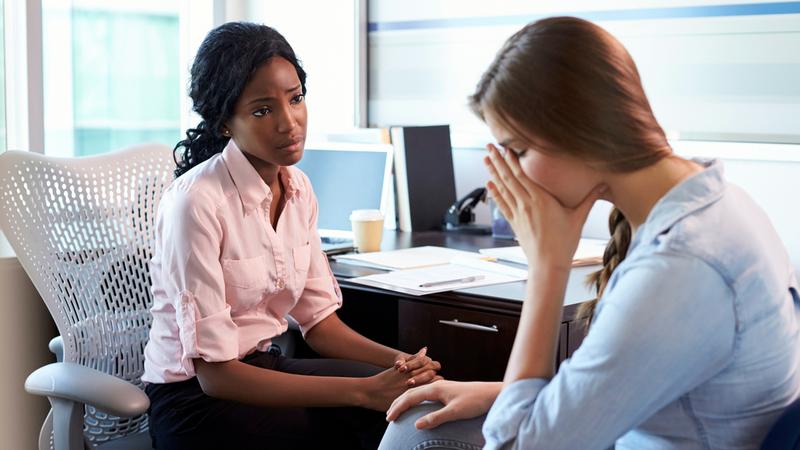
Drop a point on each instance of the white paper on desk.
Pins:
(409, 258)
(409, 281)
(590, 251)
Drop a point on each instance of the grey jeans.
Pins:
(460, 435)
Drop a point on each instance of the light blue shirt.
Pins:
(695, 344)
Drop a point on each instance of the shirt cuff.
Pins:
(214, 338)
(318, 301)
(318, 317)
(512, 406)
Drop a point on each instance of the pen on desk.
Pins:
(457, 280)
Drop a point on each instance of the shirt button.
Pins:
(280, 284)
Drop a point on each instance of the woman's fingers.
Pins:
(424, 377)
(509, 179)
(494, 193)
(410, 398)
(432, 365)
(402, 364)
(499, 192)
(416, 363)
(425, 374)
(512, 159)
(499, 182)
(446, 414)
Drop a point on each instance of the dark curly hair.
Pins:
(225, 62)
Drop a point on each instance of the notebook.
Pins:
(460, 273)
(589, 252)
(410, 258)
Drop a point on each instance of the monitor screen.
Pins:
(346, 177)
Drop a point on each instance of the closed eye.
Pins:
(519, 153)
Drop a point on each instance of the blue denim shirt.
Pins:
(695, 344)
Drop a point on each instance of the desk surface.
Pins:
(508, 296)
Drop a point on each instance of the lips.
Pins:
(291, 145)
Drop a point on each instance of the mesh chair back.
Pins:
(83, 229)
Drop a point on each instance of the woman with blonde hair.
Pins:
(694, 337)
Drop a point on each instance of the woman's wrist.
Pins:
(544, 260)
(358, 391)
(551, 274)
(492, 389)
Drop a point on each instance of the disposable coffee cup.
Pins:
(367, 229)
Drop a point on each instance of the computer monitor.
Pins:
(349, 176)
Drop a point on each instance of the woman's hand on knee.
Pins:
(461, 401)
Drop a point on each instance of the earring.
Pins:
(226, 133)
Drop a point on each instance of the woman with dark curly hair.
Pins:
(237, 250)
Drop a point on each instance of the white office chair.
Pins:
(83, 229)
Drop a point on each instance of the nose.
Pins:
(286, 120)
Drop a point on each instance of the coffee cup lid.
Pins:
(366, 214)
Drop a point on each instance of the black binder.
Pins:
(424, 176)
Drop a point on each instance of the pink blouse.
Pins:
(223, 278)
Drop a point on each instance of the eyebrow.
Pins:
(264, 99)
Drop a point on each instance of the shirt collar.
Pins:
(693, 194)
(252, 190)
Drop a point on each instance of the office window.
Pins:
(712, 70)
(2, 79)
(328, 55)
(112, 74)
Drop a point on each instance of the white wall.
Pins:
(770, 173)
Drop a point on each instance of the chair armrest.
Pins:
(56, 346)
(82, 384)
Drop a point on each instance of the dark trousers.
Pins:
(182, 416)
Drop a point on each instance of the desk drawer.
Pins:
(471, 345)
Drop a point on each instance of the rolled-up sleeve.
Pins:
(188, 274)
(667, 325)
(321, 295)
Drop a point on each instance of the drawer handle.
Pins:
(469, 326)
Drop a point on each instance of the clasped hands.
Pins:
(419, 367)
(408, 371)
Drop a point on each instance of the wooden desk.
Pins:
(469, 331)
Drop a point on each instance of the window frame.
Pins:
(24, 87)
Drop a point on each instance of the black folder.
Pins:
(424, 176)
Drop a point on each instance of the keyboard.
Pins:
(336, 245)
(336, 240)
